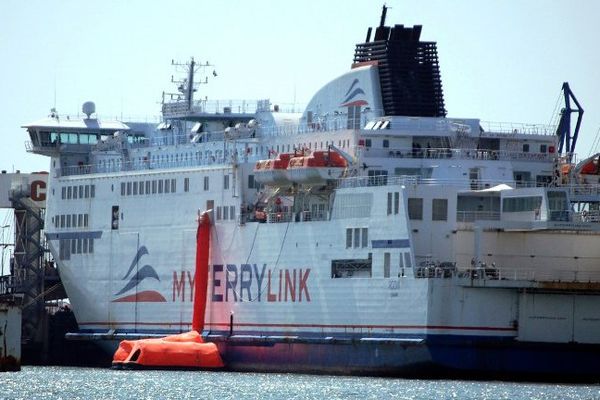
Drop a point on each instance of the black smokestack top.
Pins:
(409, 71)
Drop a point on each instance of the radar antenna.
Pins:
(187, 86)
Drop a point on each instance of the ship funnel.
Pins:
(88, 108)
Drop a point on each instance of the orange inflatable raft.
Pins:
(186, 350)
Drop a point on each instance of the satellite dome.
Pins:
(88, 108)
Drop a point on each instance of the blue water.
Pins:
(91, 383)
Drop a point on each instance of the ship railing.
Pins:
(119, 166)
(462, 154)
(276, 217)
(491, 128)
(527, 274)
(231, 106)
(472, 216)
(329, 125)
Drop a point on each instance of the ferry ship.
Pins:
(368, 234)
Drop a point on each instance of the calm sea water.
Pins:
(91, 383)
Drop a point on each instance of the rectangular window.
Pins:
(206, 183)
(543, 148)
(225, 212)
(389, 203)
(85, 220)
(356, 237)
(232, 212)
(74, 192)
(186, 184)
(62, 221)
(56, 220)
(218, 213)
(386, 265)
(80, 220)
(79, 245)
(365, 237)
(148, 187)
(91, 246)
(115, 217)
(84, 249)
(154, 187)
(68, 220)
(386, 143)
(407, 260)
(167, 186)
(128, 188)
(439, 210)
(141, 184)
(210, 204)
(251, 182)
(87, 191)
(367, 142)
(415, 208)
(81, 191)
(63, 193)
(73, 246)
(348, 238)
(160, 186)
(69, 192)
(173, 185)
(225, 182)
(122, 188)
(135, 188)
(93, 191)
(396, 202)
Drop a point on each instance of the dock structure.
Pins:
(10, 334)
(33, 278)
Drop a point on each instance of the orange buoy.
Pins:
(186, 350)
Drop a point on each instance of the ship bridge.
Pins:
(55, 135)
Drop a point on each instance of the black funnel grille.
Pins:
(409, 71)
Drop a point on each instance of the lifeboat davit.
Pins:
(186, 350)
(317, 167)
(273, 172)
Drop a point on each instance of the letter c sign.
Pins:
(38, 191)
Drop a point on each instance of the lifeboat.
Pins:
(316, 168)
(273, 172)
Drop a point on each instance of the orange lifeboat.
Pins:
(186, 350)
(317, 167)
(273, 172)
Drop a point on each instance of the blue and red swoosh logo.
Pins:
(143, 273)
(352, 92)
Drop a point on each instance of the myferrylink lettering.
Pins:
(247, 282)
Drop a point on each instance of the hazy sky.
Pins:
(500, 61)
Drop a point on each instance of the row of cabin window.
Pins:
(78, 192)
(357, 237)
(74, 246)
(149, 187)
(71, 221)
(225, 213)
(439, 209)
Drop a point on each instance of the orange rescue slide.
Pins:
(186, 350)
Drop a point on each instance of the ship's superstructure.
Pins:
(368, 234)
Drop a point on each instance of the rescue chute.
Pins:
(185, 350)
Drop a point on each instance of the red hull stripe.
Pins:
(148, 296)
(333, 326)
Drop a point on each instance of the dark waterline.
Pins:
(98, 383)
